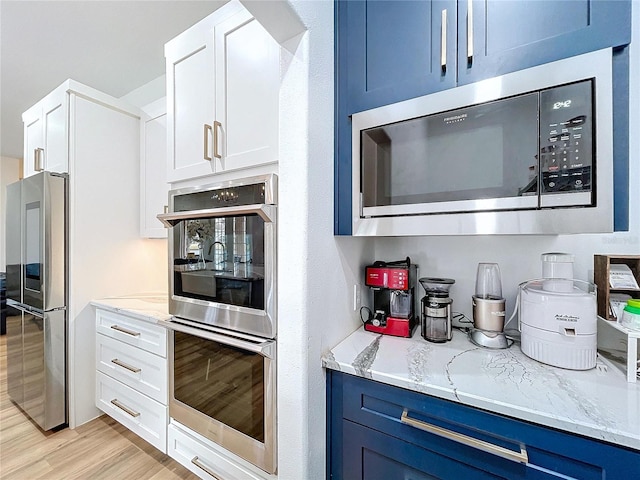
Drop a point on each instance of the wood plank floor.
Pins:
(99, 450)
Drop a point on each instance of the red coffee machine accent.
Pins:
(393, 285)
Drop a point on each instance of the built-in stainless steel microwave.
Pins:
(527, 152)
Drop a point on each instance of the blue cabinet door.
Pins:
(510, 35)
(368, 439)
(396, 49)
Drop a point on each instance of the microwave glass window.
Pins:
(221, 260)
(32, 274)
(483, 151)
(223, 382)
(566, 118)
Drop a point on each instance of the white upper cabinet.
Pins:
(45, 134)
(223, 80)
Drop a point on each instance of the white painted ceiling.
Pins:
(111, 45)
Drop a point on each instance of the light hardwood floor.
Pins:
(100, 449)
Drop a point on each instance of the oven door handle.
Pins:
(266, 348)
(264, 211)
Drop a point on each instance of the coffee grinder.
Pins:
(393, 285)
(435, 322)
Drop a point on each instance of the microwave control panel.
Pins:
(566, 137)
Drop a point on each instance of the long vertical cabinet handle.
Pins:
(207, 129)
(216, 127)
(443, 41)
(37, 159)
(470, 31)
(520, 457)
(199, 464)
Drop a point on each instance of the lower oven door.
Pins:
(224, 387)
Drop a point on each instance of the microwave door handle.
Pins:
(263, 348)
(264, 211)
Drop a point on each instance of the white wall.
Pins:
(10, 171)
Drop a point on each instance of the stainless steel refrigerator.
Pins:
(36, 254)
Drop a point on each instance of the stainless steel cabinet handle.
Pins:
(470, 31)
(133, 413)
(124, 330)
(37, 159)
(125, 365)
(199, 464)
(497, 450)
(216, 126)
(443, 40)
(207, 129)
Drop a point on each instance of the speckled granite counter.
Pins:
(149, 308)
(597, 403)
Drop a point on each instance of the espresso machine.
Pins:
(435, 324)
(393, 285)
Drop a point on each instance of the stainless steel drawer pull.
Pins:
(124, 365)
(199, 464)
(207, 129)
(133, 413)
(124, 330)
(502, 452)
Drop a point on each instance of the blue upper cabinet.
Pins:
(388, 51)
(501, 36)
(397, 50)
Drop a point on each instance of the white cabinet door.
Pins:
(55, 108)
(247, 90)
(45, 134)
(33, 141)
(190, 114)
(153, 169)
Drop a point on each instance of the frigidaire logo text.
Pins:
(455, 118)
(567, 318)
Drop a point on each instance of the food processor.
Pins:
(435, 324)
(488, 309)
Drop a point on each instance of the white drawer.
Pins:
(145, 335)
(143, 416)
(210, 462)
(141, 370)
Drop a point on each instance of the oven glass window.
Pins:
(222, 382)
(221, 260)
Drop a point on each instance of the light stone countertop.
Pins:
(597, 403)
(150, 308)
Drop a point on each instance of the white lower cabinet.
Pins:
(207, 460)
(132, 375)
(140, 414)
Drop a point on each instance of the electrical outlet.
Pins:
(357, 297)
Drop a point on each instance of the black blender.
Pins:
(435, 324)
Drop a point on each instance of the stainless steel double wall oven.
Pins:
(222, 281)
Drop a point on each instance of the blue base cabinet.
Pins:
(381, 432)
(388, 51)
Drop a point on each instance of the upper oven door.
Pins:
(223, 267)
